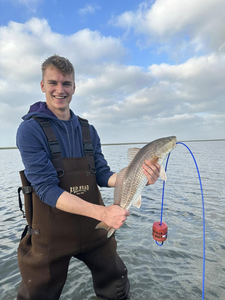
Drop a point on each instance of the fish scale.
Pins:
(133, 187)
(137, 179)
(131, 180)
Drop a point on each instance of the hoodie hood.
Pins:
(63, 129)
(39, 109)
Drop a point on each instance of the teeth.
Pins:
(60, 97)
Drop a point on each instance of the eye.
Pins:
(52, 82)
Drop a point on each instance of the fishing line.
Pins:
(203, 214)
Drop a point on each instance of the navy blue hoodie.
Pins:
(33, 146)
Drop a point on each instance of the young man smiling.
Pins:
(59, 89)
(66, 206)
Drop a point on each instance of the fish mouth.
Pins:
(173, 141)
(167, 145)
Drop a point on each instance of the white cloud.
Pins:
(88, 9)
(125, 103)
(182, 99)
(114, 79)
(200, 79)
(185, 23)
(23, 48)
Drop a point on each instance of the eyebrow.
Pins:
(64, 82)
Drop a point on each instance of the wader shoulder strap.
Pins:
(87, 144)
(53, 145)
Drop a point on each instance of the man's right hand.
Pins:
(115, 216)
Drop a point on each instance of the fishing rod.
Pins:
(160, 229)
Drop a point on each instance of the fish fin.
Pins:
(110, 230)
(103, 226)
(137, 203)
(119, 186)
(131, 153)
(163, 173)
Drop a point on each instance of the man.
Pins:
(66, 204)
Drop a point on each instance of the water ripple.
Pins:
(173, 271)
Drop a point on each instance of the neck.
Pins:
(61, 114)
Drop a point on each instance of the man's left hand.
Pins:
(151, 170)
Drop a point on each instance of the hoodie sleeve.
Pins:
(40, 172)
(103, 172)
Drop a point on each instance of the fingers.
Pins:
(122, 216)
(151, 170)
(152, 164)
(115, 216)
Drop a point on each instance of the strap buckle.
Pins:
(54, 147)
(88, 148)
(27, 189)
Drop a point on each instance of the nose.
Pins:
(59, 88)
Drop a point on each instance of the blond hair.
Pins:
(60, 63)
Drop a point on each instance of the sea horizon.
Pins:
(134, 143)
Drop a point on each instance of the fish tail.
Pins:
(102, 225)
(111, 231)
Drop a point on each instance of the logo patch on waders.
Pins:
(79, 189)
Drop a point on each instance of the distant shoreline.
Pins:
(115, 144)
(136, 143)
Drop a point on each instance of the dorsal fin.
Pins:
(119, 185)
(131, 153)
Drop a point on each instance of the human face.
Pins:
(58, 89)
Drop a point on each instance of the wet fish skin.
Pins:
(131, 180)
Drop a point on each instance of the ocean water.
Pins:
(172, 271)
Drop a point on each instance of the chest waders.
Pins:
(52, 236)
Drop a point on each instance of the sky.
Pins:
(144, 69)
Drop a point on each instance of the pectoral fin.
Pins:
(163, 173)
(137, 203)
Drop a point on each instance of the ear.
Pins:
(42, 86)
(74, 88)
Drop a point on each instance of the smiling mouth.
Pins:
(57, 97)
